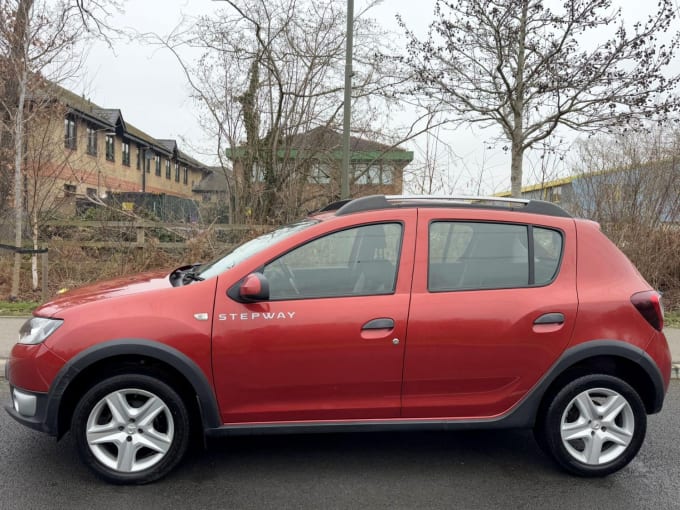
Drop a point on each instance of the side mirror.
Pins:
(255, 287)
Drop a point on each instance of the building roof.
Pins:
(323, 142)
(541, 185)
(215, 180)
(112, 118)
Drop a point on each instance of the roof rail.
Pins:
(333, 206)
(374, 202)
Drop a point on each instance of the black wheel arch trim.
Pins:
(125, 347)
(524, 414)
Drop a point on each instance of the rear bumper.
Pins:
(658, 350)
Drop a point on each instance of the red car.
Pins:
(376, 313)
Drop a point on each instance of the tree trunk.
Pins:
(516, 170)
(18, 195)
(34, 256)
(19, 50)
(517, 136)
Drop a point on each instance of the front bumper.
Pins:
(28, 408)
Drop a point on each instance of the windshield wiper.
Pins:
(189, 275)
(185, 274)
(192, 276)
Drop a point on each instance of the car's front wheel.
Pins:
(131, 428)
(594, 426)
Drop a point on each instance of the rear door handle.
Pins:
(550, 318)
(383, 323)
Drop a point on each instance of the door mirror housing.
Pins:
(254, 287)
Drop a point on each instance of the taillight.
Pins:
(648, 303)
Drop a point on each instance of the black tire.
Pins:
(601, 455)
(165, 427)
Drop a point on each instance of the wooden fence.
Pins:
(176, 234)
(124, 235)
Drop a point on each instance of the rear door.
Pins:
(329, 344)
(494, 304)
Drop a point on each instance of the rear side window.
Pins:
(477, 255)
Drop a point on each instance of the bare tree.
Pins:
(269, 71)
(630, 184)
(528, 68)
(37, 46)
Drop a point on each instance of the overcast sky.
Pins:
(148, 86)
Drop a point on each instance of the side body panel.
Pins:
(477, 353)
(164, 314)
(311, 360)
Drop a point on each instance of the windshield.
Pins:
(250, 248)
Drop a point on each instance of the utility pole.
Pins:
(344, 177)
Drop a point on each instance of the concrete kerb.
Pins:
(9, 332)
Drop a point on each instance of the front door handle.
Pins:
(383, 323)
(550, 318)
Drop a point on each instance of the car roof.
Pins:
(378, 202)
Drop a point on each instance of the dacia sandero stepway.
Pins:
(378, 313)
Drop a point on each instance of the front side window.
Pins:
(110, 148)
(359, 261)
(477, 255)
(168, 169)
(157, 161)
(176, 171)
(185, 175)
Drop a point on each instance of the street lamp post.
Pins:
(344, 176)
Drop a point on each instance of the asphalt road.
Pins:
(470, 470)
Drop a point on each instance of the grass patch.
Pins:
(672, 319)
(18, 308)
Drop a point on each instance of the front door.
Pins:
(329, 343)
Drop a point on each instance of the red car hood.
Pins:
(104, 290)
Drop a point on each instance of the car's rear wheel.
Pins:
(131, 428)
(594, 426)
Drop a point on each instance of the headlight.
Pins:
(37, 329)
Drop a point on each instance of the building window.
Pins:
(367, 174)
(139, 158)
(126, 153)
(168, 169)
(157, 160)
(70, 132)
(176, 171)
(387, 174)
(374, 174)
(91, 192)
(91, 141)
(69, 190)
(185, 175)
(257, 172)
(109, 148)
(320, 173)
